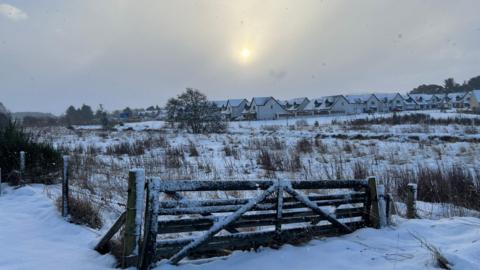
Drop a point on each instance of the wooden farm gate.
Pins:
(243, 215)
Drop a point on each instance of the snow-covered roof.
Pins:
(261, 100)
(408, 99)
(322, 103)
(297, 100)
(358, 99)
(293, 103)
(456, 96)
(386, 97)
(421, 98)
(235, 102)
(220, 103)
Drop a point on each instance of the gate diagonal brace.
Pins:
(305, 200)
(220, 225)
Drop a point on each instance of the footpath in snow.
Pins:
(34, 236)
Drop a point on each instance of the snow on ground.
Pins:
(34, 236)
(390, 248)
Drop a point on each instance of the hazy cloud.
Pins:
(12, 13)
(277, 74)
(141, 52)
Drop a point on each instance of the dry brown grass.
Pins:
(82, 211)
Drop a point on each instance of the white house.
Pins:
(409, 103)
(391, 102)
(359, 102)
(342, 106)
(456, 100)
(264, 108)
(374, 104)
(329, 105)
(295, 105)
(424, 101)
(234, 108)
(466, 100)
(221, 104)
(436, 101)
(475, 100)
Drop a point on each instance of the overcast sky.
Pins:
(136, 53)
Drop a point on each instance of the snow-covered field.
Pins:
(308, 148)
(34, 236)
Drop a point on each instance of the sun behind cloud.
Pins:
(245, 55)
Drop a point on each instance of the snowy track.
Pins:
(34, 236)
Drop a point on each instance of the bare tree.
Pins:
(193, 111)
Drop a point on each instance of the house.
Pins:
(409, 103)
(359, 102)
(329, 105)
(424, 101)
(392, 102)
(475, 100)
(437, 101)
(456, 100)
(374, 104)
(342, 106)
(234, 108)
(295, 105)
(221, 104)
(466, 100)
(264, 108)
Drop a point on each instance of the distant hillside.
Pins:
(449, 86)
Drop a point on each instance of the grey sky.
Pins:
(119, 53)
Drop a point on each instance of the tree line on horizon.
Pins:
(449, 86)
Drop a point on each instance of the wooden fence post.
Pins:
(391, 208)
(22, 166)
(133, 221)
(411, 200)
(374, 209)
(278, 224)
(382, 206)
(148, 252)
(65, 191)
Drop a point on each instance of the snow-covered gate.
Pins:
(199, 219)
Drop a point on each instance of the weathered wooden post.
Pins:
(375, 208)
(278, 223)
(22, 166)
(65, 191)
(133, 221)
(391, 209)
(382, 206)
(148, 252)
(411, 200)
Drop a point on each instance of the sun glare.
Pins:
(245, 54)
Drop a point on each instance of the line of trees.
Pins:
(449, 86)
